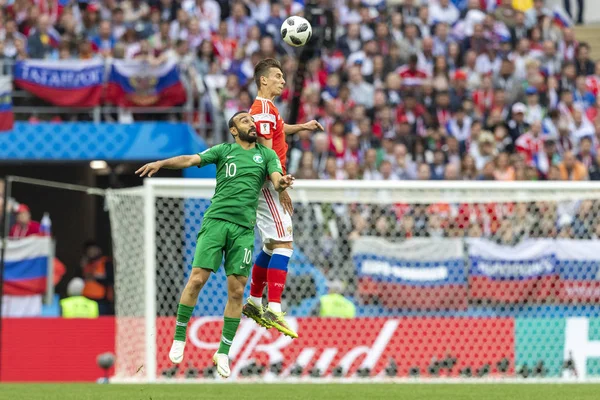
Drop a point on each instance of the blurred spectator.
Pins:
(571, 169)
(334, 304)
(585, 152)
(485, 150)
(580, 126)
(469, 169)
(386, 172)
(585, 66)
(459, 127)
(424, 172)
(306, 170)
(238, 24)
(133, 10)
(503, 170)
(531, 145)
(104, 42)
(370, 166)
(443, 11)
(24, 226)
(488, 172)
(76, 305)
(452, 172)
(361, 92)
(98, 273)
(9, 36)
(42, 39)
(438, 167)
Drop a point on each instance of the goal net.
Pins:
(443, 279)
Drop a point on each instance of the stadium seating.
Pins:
(492, 60)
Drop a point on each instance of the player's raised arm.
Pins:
(282, 182)
(308, 126)
(179, 162)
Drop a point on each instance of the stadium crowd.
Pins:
(446, 89)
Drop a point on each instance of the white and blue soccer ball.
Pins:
(296, 31)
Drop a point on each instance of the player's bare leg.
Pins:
(189, 297)
(232, 315)
(276, 277)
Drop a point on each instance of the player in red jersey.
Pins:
(274, 214)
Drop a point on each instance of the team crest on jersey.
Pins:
(257, 159)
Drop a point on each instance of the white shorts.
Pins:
(273, 223)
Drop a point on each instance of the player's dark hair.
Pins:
(231, 122)
(263, 67)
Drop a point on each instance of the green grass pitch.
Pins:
(236, 391)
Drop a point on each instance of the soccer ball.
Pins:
(296, 31)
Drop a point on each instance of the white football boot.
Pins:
(176, 353)
(222, 362)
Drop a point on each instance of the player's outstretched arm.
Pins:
(308, 126)
(179, 162)
(282, 182)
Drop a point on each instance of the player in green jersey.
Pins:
(228, 227)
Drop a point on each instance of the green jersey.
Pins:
(241, 175)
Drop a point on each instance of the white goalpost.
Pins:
(450, 280)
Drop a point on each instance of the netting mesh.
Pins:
(446, 281)
(127, 225)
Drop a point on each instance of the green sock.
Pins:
(229, 328)
(184, 313)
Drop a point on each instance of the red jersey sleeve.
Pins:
(265, 118)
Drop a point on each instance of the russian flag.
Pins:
(136, 83)
(67, 83)
(561, 18)
(54, 37)
(523, 273)
(6, 114)
(420, 274)
(26, 266)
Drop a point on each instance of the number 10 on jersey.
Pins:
(230, 170)
(247, 255)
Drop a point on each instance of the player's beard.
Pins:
(246, 137)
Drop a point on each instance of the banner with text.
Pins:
(67, 83)
(536, 270)
(421, 273)
(370, 345)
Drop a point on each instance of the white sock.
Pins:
(256, 300)
(275, 306)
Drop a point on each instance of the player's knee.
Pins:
(236, 293)
(268, 250)
(196, 282)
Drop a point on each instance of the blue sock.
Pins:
(276, 277)
(263, 259)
